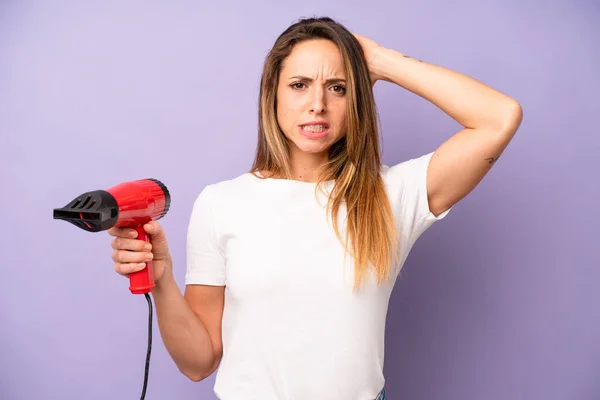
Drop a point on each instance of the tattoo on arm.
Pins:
(405, 56)
(492, 160)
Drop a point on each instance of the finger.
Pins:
(113, 231)
(155, 229)
(126, 256)
(122, 232)
(122, 243)
(128, 268)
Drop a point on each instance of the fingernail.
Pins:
(132, 233)
(141, 264)
(147, 246)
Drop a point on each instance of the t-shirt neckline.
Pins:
(296, 182)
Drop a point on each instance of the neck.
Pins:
(306, 166)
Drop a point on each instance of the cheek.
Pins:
(340, 118)
(287, 113)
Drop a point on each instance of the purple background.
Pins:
(498, 301)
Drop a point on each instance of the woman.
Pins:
(290, 266)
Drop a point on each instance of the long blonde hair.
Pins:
(354, 161)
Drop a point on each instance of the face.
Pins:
(311, 97)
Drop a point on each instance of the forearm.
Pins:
(182, 332)
(469, 102)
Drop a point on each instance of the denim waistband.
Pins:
(381, 395)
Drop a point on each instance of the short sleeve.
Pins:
(205, 260)
(407, 189)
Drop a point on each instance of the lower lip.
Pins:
(314, 135)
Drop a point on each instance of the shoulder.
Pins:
(232, 185)
(228, 191)
(411, 172)
(406, 185)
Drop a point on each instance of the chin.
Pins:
(312, 146)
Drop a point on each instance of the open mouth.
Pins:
(314, 131)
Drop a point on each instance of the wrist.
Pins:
(393, 66)
(166, 281)
(380, 63)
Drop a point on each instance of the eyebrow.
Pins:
(307, 79)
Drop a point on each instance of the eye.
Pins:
(339, 89)
(297, 85)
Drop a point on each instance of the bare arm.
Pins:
(490, 120)
(190, 325)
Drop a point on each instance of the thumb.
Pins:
(158, 238)
(154, 229)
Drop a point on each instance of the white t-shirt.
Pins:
(292, 328)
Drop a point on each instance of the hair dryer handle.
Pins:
(141, 282)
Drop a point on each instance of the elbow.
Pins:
(513, 118)
(516, 112)
(195, 377)
(199, 374)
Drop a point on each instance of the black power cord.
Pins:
(149, 346)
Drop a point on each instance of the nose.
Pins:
(317, 105)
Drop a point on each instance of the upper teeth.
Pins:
(314, 128)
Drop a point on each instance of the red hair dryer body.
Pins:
(130, 204)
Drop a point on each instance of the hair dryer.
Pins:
(130, 204)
